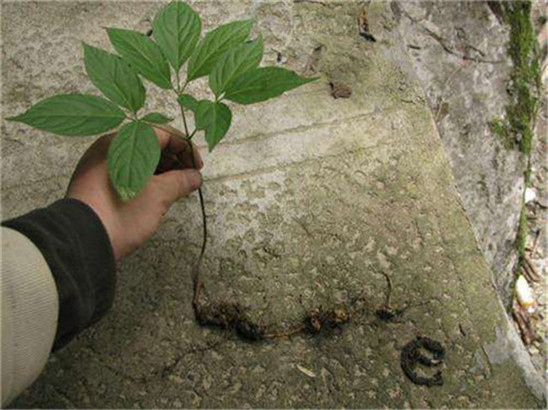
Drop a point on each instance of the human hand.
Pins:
(130, 224)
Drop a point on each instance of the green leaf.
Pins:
(214, 45)
(214, 118)
(114, 78)
(263, 83)
(177, 29)
(156, 118)
(187, 101)
(132, 158)
(73, 115)
(142, 54)
(235, 62)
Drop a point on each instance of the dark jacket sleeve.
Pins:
(76, 246)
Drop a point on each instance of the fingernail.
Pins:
(195, 178)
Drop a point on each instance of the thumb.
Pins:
(178, 184)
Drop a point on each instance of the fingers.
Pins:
(100, 147)
(175, 149)
(167, 130)
(185, 157)
(165, 137)
(174, 185)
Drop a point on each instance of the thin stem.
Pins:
(196, 270)
(169, 129)
(184, 86)
(204, 231)
(184, 121)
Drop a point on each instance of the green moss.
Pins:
(525, 79)
(527, 177)
(502, 131)
(524, 91)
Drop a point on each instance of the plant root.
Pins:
(233, 316)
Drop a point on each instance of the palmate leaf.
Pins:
(214, 118)
(177, 29)
(132, 158)
(142, 54)
(262, 84)
(214, 45)
(156, 118)
(73, 115)
(114, 78)
(235, 62)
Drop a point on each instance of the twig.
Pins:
(532, 269)
(527, 273)
(388, 291)
(525, 325)
(534, 248)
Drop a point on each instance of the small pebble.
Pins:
(530, 195)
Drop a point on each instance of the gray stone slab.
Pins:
(459, 52)
(311, 200)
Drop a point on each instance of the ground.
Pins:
(312, 202)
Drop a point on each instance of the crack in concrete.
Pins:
(441, 41)
(300, 128)
(271, 168)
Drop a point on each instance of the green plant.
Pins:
(224, 54)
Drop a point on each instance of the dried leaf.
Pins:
(307, 372)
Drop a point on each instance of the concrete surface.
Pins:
(310, 200)
(459, 52)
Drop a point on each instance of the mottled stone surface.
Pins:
(459, 52)
(310, 201)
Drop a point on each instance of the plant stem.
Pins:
(184, 121)
(169, 129)
(184, 86)
(204, 225)
(196, 271)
